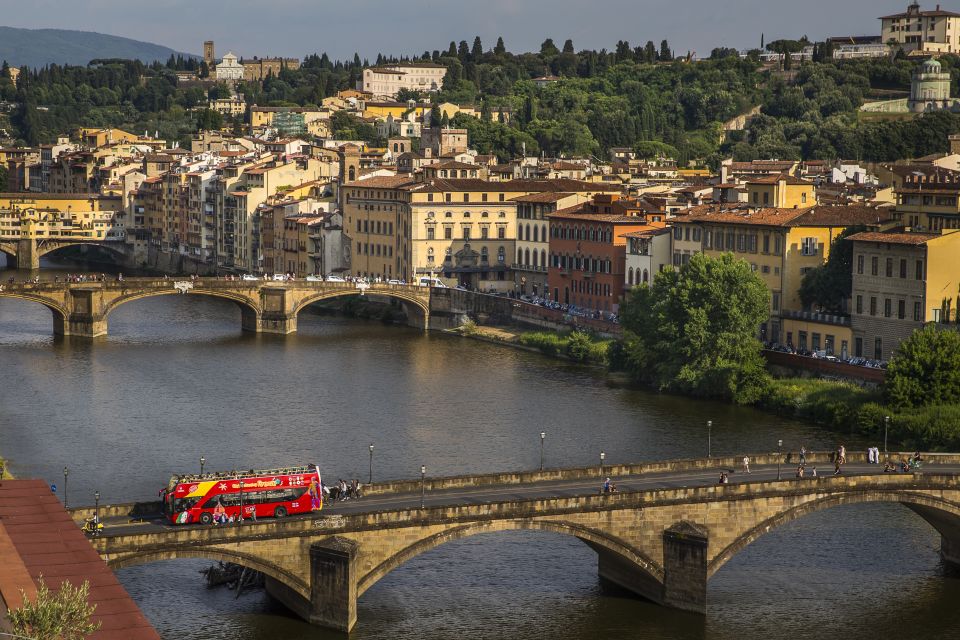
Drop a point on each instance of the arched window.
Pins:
(396, 147)
(526, 257)
(352, 174)
(535, 260)
(543, 257)
(646, 276)
(519, 256)
(630, 276)
(536, 234)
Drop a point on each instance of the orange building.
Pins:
(588, 257)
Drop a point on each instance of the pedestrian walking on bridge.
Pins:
(746, 464)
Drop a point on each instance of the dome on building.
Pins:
(931, 66)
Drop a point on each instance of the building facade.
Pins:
(388, 80)
(935, 31)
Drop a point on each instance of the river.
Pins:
(177, 379)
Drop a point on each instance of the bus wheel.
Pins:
(206, 518)
(280, 512)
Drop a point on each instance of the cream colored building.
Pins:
(936, 31)
(388, 80)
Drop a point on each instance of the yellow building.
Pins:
(781, 245)
(381, 110)
(53, 217)
(781, 191)
(929, 201)
(901, 281)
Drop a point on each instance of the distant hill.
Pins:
(39, 47)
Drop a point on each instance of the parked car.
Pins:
(313, 278)
(247, 276)
(425, 281)
(334, 279)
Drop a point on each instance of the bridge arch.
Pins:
(46, 248)
(249, 306)
(216, 554)
(60, 314)
(942, 515)
(597, 540)
(421, 302)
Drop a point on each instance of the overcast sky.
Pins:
(340, 27)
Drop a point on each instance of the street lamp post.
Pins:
(779, 447)
(66, 472)
(96, 512)
(202, 461)
(709, 437)
(370, 477)
(602, 457)
(543, 434)
(886, 429)
(423, 483)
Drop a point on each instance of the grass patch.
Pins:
(579, 346)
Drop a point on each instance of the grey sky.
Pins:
(298, 27)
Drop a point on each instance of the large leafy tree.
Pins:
(695, 330)
(830, 284)
(926, 369)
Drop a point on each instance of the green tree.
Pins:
(61, 615)
(830, 284)
(3, 180)
(925, 370)
(695, 330)
(665, 54)
(500, 48)
(209, 120)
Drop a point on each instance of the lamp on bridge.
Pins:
(709, 434)
(202, 461)
(779, 447)
(543, 434)
(886, 429)
(66, 472)
(370, 479)
(240, 519)
(423, 483)
(96, 510)
(602, 457)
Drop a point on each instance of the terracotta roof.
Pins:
(542, 197)
(817, 216)
(845, 215)
(37, 536)
(894, 238)
(646, 233)
(925, 14)
(476, 184)
(776, 179)
(575, 213)
(381, 182)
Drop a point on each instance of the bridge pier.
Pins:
(333, 583)
(685, 567)
(621, 573)
(277, 323)
(28, 257)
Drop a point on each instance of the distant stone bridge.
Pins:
(26, 252)
(662, 544)
(82, 309)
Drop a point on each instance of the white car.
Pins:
(280, 277)
(334, 279)
(313, 278)
(395, 282)
(247, 276)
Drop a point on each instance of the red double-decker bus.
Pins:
(230, 496)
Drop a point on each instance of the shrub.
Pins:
(547, 342)
(578, 346)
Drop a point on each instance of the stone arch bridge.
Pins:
(661, 544)
(82, 309)
(25, 253)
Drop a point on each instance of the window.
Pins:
(803, 340)
(466, 197)
(919, 269)
(809, 247)
(903, 268)
(878, 349)
(901, 310)
(484, 232)
(916, 312)
(448, 214)
(430, 233)
(483, 197)
(889, 267)
(873, 306)
(887, 307)
(466, 233)
(859, 304)
(678, 233)
(815, 342)
(448, 233)
(501, 233)
(858, 347)
(874, 265)
(860, 265)
(447, 197)
(776, 302)
(766, 243)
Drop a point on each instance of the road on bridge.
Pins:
(543, 490)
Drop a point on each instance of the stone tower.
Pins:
(208, 55)
(930, 88)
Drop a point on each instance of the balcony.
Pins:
(813, 316)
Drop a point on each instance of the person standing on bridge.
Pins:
(803, 455)
(746, 464)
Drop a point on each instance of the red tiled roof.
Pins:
(894, 238)
(49, 543)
